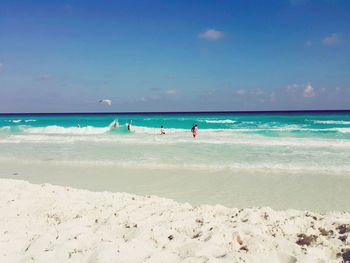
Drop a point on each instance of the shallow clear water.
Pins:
(251, 146)
(291, 142)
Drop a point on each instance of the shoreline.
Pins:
(314, 192)
(46, 223)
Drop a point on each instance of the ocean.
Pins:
(232, 153)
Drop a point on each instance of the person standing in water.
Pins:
(194, 130)
(162, 131)
(129, 126)
(115, 124)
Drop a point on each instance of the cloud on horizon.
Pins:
(170, 93)
(309, 91)
(332, 40)
(211, 34)
(240, 92)
(306, 91)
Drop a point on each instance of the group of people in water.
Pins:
(194, 130)
(115, 124)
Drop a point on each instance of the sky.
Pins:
(183, 55)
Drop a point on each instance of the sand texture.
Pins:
(45, 223)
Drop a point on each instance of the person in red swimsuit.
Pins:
(194, 130)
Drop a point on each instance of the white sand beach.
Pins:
(175, 131)
(46, 223)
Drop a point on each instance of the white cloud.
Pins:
(292, 88)
(170, 92)
(212, 91)
(241, 92)
(309, 91)
(211, 34)
(254, 93)
(257, 92)
(332, 40)
(306, 91)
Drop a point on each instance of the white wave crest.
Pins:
(144, 136)
(341, 130)
(18, 121)
(13, 121)
(148, 130)
(89, 130)
(218, 121)
(333, 122)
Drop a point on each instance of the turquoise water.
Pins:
(298, 143)
(290, 125)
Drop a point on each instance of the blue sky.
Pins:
(63, 56)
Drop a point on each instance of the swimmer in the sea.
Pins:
(162, 131)
(115, 124)
(194, 130)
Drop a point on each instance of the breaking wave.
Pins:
(333, 122)
(19, 121)
(66, 130)
(219, 121)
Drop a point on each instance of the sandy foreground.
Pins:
(45, 223)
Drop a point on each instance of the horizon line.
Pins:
(176, 112)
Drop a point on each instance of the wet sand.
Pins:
(239, 189)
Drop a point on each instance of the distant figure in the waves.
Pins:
(78, 125)
(162, 131)
(194, 130)
(129, 126)
(115, 124)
